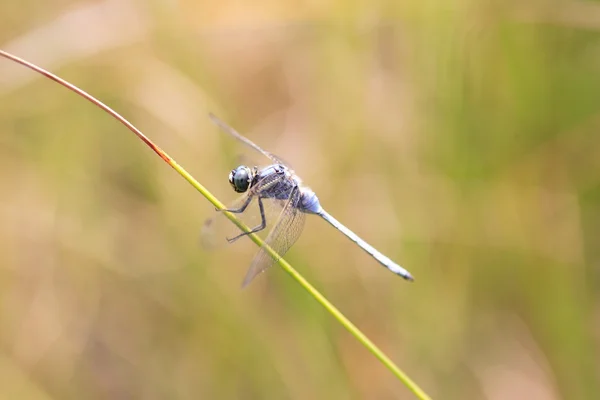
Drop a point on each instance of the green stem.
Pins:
(337, 314)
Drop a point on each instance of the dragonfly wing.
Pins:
(218, 227)
(284, 234)
(228, 129)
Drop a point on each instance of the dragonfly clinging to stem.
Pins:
(279, 182)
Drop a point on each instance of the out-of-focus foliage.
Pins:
(460, 138)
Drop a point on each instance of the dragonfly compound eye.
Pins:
(240, 178)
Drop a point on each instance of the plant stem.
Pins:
(337, 314)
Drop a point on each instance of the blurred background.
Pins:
(462, 140)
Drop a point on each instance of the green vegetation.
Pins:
(461, 140)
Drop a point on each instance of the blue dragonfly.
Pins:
(278, 182)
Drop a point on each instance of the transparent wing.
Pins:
(217, 228)
(284, 234)
(226, 128)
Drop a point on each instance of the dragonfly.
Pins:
(278, 182)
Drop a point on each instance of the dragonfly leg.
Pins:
(258, 228)
(238, 210)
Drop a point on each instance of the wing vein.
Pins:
(282, 236)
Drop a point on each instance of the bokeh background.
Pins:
(460, 138)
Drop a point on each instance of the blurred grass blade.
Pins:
(256, 239)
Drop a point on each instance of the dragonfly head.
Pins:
(240, 178)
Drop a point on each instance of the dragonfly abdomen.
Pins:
(309, 202)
